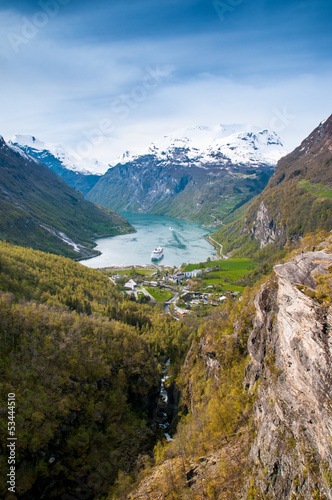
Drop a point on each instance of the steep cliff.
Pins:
(291, 354)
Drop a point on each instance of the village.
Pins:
(183, 291)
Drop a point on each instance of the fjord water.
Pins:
(181, 240)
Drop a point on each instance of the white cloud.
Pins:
(292, 108)
(66, 93)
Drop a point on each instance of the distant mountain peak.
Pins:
(201, 145)
(84, 166)
(79, 175)
(201, 173)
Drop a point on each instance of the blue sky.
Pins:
(104, 76)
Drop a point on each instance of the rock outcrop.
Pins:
(265, 228)
(291, 356)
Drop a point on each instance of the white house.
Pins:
(152, 283)
(194, 273)
(131, 285)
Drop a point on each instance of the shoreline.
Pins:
(219, 255)
(132, 266)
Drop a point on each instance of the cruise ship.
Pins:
(157, 254)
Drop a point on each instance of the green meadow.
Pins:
(160, 294)
(316, 189)
(230, 270)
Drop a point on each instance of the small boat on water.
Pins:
(157, 254)
(171, 229)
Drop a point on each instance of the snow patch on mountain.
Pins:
(85, 166)
(21, 152)
(203, 145)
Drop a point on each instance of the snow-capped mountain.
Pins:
(85, 166)
(81, 174)
(201, 173)
(201, 145)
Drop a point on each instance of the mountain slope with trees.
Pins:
(296, 201)
(84, 364)
(40, 210)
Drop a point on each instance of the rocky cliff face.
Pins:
(265, 228)
(291, 355)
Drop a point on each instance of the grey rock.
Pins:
(291, 357)
(265, 228)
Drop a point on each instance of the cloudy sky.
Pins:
(101, 76)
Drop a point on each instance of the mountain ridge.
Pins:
(80, 174)
(181, 180)
(205, 145)
(39, 209)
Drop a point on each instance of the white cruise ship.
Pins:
(157, 254)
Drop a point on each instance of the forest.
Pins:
(85, 365)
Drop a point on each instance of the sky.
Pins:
(102, 77)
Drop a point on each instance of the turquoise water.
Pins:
(184, 242)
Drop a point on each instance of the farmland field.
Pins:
(228, 271)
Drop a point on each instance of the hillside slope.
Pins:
(297, 199)
(81, 175)
(257, 426)
(40, 210)
(82, 360)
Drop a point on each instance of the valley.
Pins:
(200, 174)
(193, 377)
(165, 250)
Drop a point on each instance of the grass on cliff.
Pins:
(319, 190)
